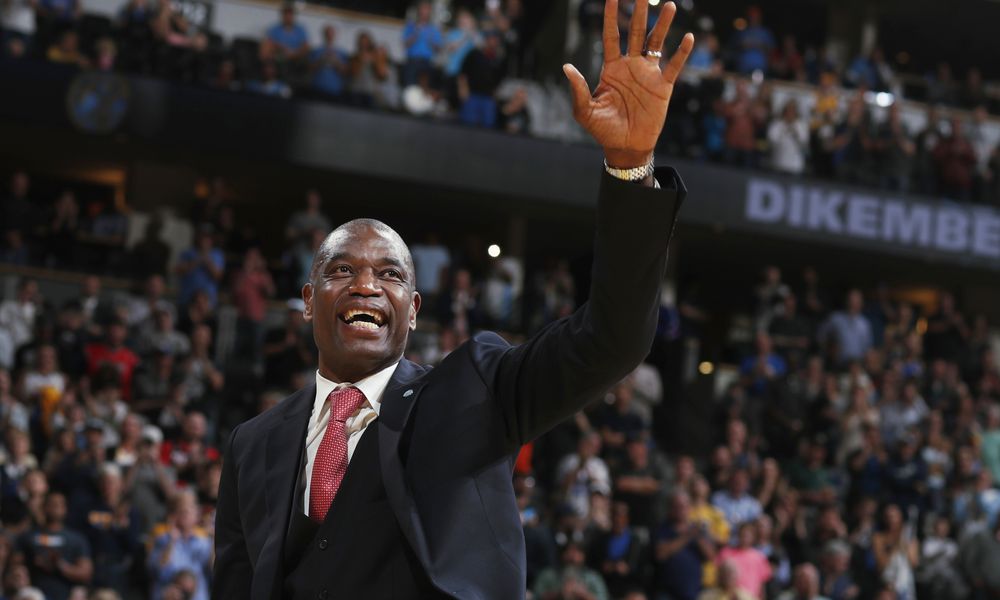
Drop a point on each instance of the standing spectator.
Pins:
(848, 330)
(113, 352)
(113, 528)
(57, 557)
(741, 124)
(330, 66)
(142, 309)
(984, 144)
(893, 152)
(736, 502)
(955, 162)
(896, 553)
(17, 315)
(286, 40)
(836, 582)
(304, 222)
(184, 547)
(201, 378)
(583, 473)
(752, 567)
(270, 82)
(61, 234)
(163, 337)
(192, 451)
(200, 269)
(681, 547)
(787, 62)
(482, 72)
(253, 287)
(939, 570)
(67, 51)
(789, 139)
(287, 351)
(763, 368)
(369, 70)
(151, 254)
(458, 42)
(638, 483)
(712, 521)
(754, 44)
(947, 331)
(422, 39)
(617, 553)
(927, 140)
(849, 144)
(150, 483)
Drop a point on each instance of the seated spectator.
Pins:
(183, 547)
(787, 62)
(805, 585)
(681, 547)
(704, 53)
(736, 503)
(17, 27)
(571, 579)
(287, 349)
(171, 27)
(201, 378)
(619, 422)
(638, 483)
(286, 40)
(192, 451)
(200, 269)
(422, 40)
(836, 581)
(752, 567)
(104, 231)
(67, 50)
(810, 476)
(728, 587)
(142, 310)
(754, 44)
(789, 139)
(303, 222)
(270, 83)
(330, 66)
(148, 482)
(151, 254)
(163, 336)
(57, 557)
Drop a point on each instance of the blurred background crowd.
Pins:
(853, 439)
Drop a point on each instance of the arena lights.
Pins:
(493, 251)
(654, 2)
(706, 368)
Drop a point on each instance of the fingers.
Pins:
(673, 69)
(580, 90)
(659, 33)
(612, 43)
(637, 31)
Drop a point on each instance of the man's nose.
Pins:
(365, 283)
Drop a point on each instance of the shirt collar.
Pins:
(372, 387)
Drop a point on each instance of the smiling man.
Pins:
(386, 479)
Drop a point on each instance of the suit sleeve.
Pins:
(233, 571)
(575, 360)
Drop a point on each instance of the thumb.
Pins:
(578, 87)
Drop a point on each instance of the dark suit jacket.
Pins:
(448, 436)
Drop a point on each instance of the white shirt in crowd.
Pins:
(18, 318)
(372, 387)
(789, 142)
(17, 15)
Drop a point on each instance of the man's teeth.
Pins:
(376, 317)
(363, 324)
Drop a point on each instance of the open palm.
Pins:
(626, 112)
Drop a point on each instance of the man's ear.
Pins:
(414, 309)
(307, 297)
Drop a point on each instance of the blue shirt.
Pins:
(61, 9)
(327, 79)
(457, 56)
(737, 510)
(199, 279)
(754, 44)
(427, 40)
(293, 38)
(854, 334)
(186, 554)
(679, 575)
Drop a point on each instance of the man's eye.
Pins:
(391, 273)
(342, 269)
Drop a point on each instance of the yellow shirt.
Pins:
(718, 528)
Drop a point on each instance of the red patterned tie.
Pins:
(331, 457)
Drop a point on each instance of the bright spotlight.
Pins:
(493, 251)
(706, 368)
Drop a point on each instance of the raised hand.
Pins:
(626, 112)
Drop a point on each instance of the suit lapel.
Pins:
(282, 463)
(397, 404)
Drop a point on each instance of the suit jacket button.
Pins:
(323, 595)
(323, 543)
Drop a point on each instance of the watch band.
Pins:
(633, 174)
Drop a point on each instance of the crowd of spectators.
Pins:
(853, 453)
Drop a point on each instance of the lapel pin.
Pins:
(407, 393)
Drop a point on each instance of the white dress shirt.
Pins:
(372, 387)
